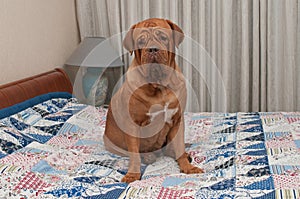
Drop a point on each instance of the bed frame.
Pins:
(53, 81)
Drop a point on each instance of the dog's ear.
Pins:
(128, 42)
(178, 34)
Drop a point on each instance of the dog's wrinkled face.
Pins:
(153, 42)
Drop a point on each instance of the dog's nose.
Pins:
(152, 49)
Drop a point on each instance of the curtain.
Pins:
(236, 56)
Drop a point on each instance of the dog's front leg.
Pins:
(176, 148)
(134, 169)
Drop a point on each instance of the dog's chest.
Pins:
(158, 111)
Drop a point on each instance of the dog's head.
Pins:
(153, 42)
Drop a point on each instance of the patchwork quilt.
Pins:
(55, 150)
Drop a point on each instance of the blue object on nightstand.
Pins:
(95, 85)
(99, 62)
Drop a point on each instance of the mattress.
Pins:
(54, 149)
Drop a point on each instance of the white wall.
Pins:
(35, 36)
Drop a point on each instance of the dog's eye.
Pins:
(163, 38)
(141, 41)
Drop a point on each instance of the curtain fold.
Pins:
(236, 56)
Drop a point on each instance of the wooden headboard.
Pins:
(24, 89)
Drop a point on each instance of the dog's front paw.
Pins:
(190, 169)
(130, 177)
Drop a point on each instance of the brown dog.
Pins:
(145, 115)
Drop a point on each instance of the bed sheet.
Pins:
(55, 150)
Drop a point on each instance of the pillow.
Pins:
(32, 102)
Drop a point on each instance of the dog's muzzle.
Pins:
(154, 55)
(154, 61)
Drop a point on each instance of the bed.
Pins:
(51, 147)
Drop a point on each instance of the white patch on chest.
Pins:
(168, 113)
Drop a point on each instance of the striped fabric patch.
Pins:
(287, 193)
